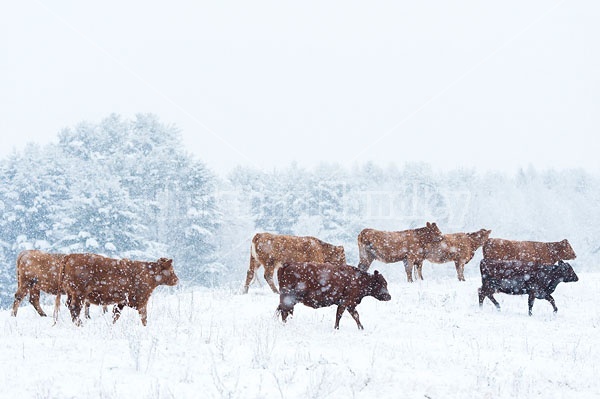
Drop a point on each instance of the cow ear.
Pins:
(428, 224)
(376, 273)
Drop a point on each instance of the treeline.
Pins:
(122, 188)
(127, 188)
(334, 203)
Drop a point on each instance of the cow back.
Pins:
(528, 251)
(275, 248)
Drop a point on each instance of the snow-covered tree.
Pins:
(122, 188)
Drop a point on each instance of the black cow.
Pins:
(319, 285)
(519, 278)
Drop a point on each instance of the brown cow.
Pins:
(528, 251)
(106, 281)
(38, 271)
(320, 285)
(458, 248)
(272, 250)
(395, 246)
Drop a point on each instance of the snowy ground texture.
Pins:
(430, 341)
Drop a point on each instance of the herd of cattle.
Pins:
(315, 273)
(309, 271)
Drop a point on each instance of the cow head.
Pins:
(165, 274)
(336, 255)
(565, 251)
(566, 272)
(378, 287)
(432, 233)
(480, 236)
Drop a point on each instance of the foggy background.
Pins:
(491, 85)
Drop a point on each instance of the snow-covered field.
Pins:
(430, 341)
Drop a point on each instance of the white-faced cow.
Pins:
(321, 285)
(272, 250)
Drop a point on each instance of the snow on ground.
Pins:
(430, 341)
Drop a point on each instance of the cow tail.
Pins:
(59, 290)
(18, 270)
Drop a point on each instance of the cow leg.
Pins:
(75, 304)
(365, 260)
(419, 269)
(494, 301)
(87, 309)
(551, 300)
(354, 314)
(19, 295)
(408, 267)
(284, 311)
(530, 301)
(286, 306)
(364, 265)
(269, 272)
(254, 265)
(481, 296)
(143, 311)
(288, 312)
(117, 311)
(460, 270)
(34, 298)
(338, 316)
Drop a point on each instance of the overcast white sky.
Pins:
(495, 85)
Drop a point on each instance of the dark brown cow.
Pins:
(106, 281)
(528, 251)
(395, 246)
(320, 285)
(519, 278)
(458, 248)
(272, 250)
